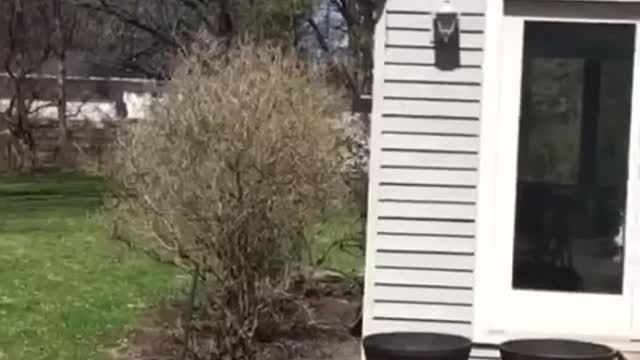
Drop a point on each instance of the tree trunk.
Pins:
(25, 145)
(61, 101)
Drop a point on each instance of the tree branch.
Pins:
(322, 41)
(201, 10)
(344, 11)
(324, 45)
(128, 18)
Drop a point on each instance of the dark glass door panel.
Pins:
(573, 154)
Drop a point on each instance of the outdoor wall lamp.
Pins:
(446, 37)
(446, 27)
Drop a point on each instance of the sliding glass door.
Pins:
(565, 156)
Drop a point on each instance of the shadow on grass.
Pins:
(57, 195)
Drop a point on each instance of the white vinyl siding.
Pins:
(424, 55)
(425, 226)
(422, 6)
(421, 245)
(462, 76)
(422, 239)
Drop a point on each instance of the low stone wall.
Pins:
(90, 141)
(93, 132)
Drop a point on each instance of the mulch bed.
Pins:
(332, 308)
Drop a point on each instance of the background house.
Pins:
(97, 107)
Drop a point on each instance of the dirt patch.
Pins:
(158, 337)
(330, 340)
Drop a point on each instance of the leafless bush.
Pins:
(240, 157)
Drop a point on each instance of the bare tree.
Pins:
(357, 23)
(162, 30)
(61, 99)
(359, 18)
(26, 45)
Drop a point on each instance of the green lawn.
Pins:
(334, 242)
(65, 289)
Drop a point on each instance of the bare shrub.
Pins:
(240, 157)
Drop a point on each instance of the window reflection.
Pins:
(573, 153)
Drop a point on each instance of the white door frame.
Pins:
(499, 312)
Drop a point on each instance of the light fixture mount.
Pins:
(446, 23)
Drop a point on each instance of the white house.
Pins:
(89, 98)
(505, 172)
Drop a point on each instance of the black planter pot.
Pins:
(416, 346)
(555, 349)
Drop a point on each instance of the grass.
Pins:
(334, 240)
(64, 288)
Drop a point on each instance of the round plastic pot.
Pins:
(555, 349)
(416, 346)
